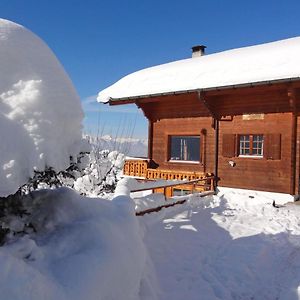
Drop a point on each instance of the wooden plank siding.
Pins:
(191, 114)
(241, 103)
(297, 181)
(165, 128)
(177, 106)
(251, 173)
(259, 173)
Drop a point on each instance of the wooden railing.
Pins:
(136, 168)
(140, 168)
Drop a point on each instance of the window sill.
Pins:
(184, 161)
(251, 156)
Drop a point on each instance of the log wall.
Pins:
(192, 113)
(249, 173)
(258, 173)
(183, 126)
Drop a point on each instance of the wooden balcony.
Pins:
(140, 168)
(136, 167)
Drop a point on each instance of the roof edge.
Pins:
(132, 99)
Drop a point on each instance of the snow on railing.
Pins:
(172, 202)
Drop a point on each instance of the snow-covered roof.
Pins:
(267, 62)
(40, 110)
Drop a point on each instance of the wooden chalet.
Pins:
(232, 115)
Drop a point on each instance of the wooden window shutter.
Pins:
(272, 146)
(229, 145)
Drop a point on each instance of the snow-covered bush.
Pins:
(84, 248)
(40, 111)
(40, 125)
(102, 173)
(98, 178)
(58, 244)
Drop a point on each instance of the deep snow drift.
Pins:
(85, 249)
(40, 111)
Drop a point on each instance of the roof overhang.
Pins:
(134, 99)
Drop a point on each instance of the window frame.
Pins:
(251, 138)
(169, 160)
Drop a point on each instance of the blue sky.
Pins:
(98, 42)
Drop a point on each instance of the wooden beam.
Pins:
(292, 102)
(216, 154)
(120, 102)
(267, 87)
(150, 139)
(202, 98)
(171, 184)
(154, 99)
(144, 110)
(292, 99)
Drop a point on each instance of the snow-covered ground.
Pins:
(229, 246)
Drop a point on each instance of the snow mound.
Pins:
(40, 111)
(266, 62)
(85, 248)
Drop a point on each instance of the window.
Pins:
(251, 145)
(185, 148)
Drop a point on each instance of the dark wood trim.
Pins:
(203, 145)
(201, 97)
(145, 112)
(167, 97)
(150, 139)
(121, 102)
(292, 101)
(168, 153)
(293, 154)
(255, 88)
(297, 190)
(216, 153)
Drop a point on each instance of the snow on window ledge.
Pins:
(184, 161)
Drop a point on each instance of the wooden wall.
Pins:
(162, 129)
(297, 183)
(258, 173)
(191, 114)
(250, 173)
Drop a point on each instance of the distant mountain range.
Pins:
(128, 146)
